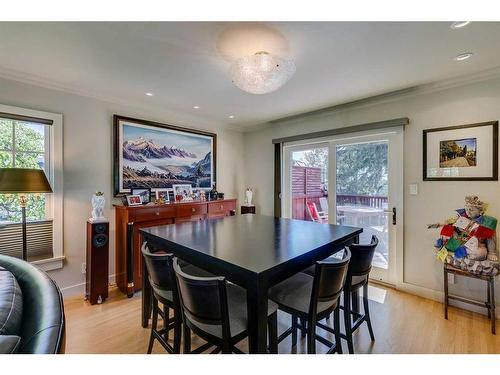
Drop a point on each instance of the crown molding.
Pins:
(184, 117)
(423, 89)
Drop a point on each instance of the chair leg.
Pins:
(367, 311)
(177, 332)
(154, 325)
(347, 321)
(303, 329)
(311, 336)
(272, 323)
(166, 320)
(336, 328)
(294, 330)
(186, 332)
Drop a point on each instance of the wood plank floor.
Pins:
(403, 323)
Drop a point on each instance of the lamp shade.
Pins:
(18, 180)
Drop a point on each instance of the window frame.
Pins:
(54, 172)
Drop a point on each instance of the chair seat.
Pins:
(295, 293)
(237, 305)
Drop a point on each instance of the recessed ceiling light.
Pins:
(149, 94)
(463, 56)
(196, 107)
(459, 24)
(231, 116)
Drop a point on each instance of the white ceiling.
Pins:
(187, 64)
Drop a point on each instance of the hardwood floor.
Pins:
(403, 323)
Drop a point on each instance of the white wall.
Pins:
(436, 201)
(88, 152)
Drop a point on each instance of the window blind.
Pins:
(39, 239)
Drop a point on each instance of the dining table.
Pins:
(255, 252)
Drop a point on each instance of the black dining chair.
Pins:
(216, 311)
(312, 298)
(357, 277)
(164, 290)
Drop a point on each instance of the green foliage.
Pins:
(362, 169)
(27, 138)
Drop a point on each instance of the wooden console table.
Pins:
(490, 293)
(129, 219)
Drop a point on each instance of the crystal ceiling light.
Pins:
(261, 73)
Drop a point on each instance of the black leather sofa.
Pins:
(42, 329)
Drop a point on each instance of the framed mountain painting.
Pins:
(461, 153)
(152, 155)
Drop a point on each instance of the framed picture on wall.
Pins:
(461, 153)
(152, 155)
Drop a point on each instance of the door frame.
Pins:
(396, 188)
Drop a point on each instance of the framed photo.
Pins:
(152, 155)
(134, 200)
(184, 191)
(144, 193)
(461, 153)
(163, 194)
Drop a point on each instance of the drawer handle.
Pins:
(193, 209)
(157, 213)
(221, 206)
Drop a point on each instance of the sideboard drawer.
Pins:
(191, 209)
(221, 208)
(153, 213)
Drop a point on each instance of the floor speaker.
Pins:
(96, 285)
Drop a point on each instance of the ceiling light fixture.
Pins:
(463, 56)
(196, 107)
(459, 24)
(231, 116)
(261, 73)
(149, 94)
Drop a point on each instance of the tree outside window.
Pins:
(22, 145)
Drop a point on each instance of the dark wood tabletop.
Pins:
(253, 251)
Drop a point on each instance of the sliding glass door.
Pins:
(364, 189)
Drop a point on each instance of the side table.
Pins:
(490, 293)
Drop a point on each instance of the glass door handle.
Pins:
(394, 215)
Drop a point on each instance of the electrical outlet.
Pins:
(451, 278)
(84, 268)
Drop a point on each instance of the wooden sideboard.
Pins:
(129, 219)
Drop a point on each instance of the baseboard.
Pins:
(438, 296)
(79, 289)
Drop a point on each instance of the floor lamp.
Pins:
(21, 181)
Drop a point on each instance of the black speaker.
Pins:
(96, 285)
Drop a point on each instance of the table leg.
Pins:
(257, 318)
(146, 296)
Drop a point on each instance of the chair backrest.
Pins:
(329, 279)
(313, 212)
(159, 266)
(361, 257)
(203, 299)
(323, 202)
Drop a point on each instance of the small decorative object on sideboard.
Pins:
(245, 209)
(98, 203)
(468, 240)
(183, 192)
(133, 200)
(213, 193)
(162, 196)
(144, 193)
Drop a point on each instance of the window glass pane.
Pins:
(5, 159)
(5, 134)
(10, 211)
(30, 160)
(29, 136)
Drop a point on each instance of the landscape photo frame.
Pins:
(461, 153)
(153, 155)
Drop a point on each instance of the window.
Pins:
(32, 139)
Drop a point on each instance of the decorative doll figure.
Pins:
(98, 203)
(474, 207)
(248, 197)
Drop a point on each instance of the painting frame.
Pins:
(490, 154)
(140, 191)
(133, 200)
(182, 186)
(118, 120)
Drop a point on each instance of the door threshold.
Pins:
(383, 283)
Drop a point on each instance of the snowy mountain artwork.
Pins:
(157, 157)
